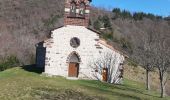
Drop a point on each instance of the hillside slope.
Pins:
(23, 23)
(18, 83)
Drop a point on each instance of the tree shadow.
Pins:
(33, 68)
(125, 96)
(126, 88)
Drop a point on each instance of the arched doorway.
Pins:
(73, 68)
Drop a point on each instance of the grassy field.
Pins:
(139, 74)
(25, 84)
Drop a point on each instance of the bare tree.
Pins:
(162, 59)
(108, 64)
(152, 51)
(144, 56)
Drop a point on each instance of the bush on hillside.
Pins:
(106, 22)
(108, 36)
(9, 62)
(132, 62)
(97, 25)
(126, 44)
(102, 22)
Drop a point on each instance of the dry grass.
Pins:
(138, 74)
(168, 88)
(22, 84)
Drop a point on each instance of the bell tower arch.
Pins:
(77, 12)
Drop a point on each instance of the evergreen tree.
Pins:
(126, 14)
(117, 12)
(106, 21)
(138, 15)
(97, 25)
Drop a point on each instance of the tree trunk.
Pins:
(147, 80)
(161, 84)
(162, 89)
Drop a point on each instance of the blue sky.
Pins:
(157, 7)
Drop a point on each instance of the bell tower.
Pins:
(77, 12)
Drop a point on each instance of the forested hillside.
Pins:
(24, 23)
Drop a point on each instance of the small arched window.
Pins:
(73, 9)
(82, 9)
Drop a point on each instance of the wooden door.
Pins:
(73, 70)
(105, 74)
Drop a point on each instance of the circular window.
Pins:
(75, 42)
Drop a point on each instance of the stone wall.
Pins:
(89, 49)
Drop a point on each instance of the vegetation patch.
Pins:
(62, 94)
(27, 84)
(8, 62)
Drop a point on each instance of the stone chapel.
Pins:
(72, 47)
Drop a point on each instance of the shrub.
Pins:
(108, 36)
(97, 25)
(9, 62)
(102, 22)
(50, 22)
(126, 44)
(132, 62)
(106, 21)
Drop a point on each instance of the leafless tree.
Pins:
(162, 59)
(144, 56)
(109, 62)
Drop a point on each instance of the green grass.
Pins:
(19, 84)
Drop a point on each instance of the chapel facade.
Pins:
(72, 48)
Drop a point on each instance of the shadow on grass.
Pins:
(106, 87)
(62, 94)
(33, 68)
(125, 96)
(132, 89)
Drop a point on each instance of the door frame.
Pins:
(105, 74)
(77, 62)
(76, 70)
